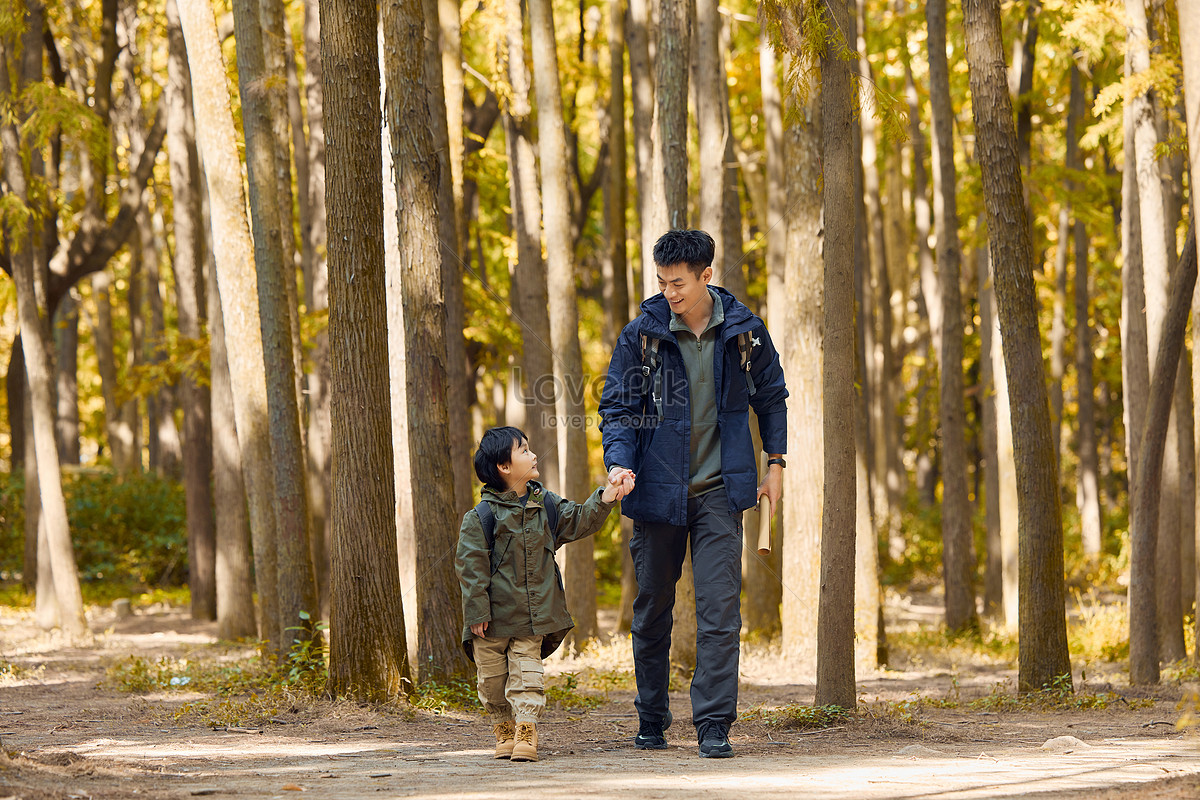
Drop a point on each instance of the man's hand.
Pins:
(620, 483)
(479, 629)
(772, 487)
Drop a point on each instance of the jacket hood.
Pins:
(658, 312)
(511, 498)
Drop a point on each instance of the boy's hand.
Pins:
(479, 629)
(620, 483)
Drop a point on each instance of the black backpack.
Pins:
(488, 520)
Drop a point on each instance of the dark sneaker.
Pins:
(714, 740)
(650, 734)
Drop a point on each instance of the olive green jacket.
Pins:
(517, 588)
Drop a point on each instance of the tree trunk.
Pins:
(458, 388)
(1020, 81)
(1088, 496)
(316, 294)
(15, 389)
(34, 339)
(958, 551)
(119, 434)
(1144, 647)
(238, 290)
(368, 653)
(763, 587)
(1043, 632)
(66, 365)
(167, 453)
(234, 581)
(802, 353)
(989, 387)
(190, 302)
(835, 618)
(641, 81)
(529, 292)
(1189, 46)
(416, 187)
(579, 568)
(1058, 328)
(296, 585)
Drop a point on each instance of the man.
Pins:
(675, 410)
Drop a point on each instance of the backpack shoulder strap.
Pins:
(745, 343)
(551, 506)
(651, 361)
(488, 521)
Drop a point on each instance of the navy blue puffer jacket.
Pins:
(658, 450)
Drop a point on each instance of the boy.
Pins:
(514, 607)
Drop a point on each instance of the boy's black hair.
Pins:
(495, 449)
(692, 247)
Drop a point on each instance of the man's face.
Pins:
(522, 464)
(682, 288)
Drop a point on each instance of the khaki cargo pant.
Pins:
(511, 678)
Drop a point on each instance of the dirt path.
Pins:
(62, 736)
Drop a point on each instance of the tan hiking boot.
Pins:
(525, 748)
(504, 738)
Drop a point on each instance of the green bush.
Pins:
(123, 527)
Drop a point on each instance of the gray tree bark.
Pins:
(368, 653)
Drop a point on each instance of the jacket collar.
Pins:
(657, 314)
(512, 499)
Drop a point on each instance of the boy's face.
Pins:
(682, 288)
(521, 466)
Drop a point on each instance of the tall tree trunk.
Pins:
(802, 353)
(34, 341)
(296, 585)
(415, 164)
(459, 398)
(641, 81)
(238, 291)
(835, 617)
(190, 302)
(368, 653)
(121, 442)
(1144, 649)
(1158, 248)
(1088, 496)
(1043, 631)
(1058, 328)
(160, 405)
(989, 387)
(579, 567)
(762, 582)
(15, 389)
(316, 298)
(1189, 47)
(1020, 81)
(66, 366)
(958, 551)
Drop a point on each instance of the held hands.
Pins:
(620, 483)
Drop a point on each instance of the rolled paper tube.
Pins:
(764, 526)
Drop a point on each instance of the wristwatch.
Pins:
(778, 461)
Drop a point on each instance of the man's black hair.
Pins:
(692, 247)
(495, 449)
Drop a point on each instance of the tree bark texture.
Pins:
(579, 568)
(958, 550)
(802, 353)
(1088, 496)
(66, 369)
(415, 164)
(1042, 629)
(641, 82)
(671, 101)
(190, 301)
(835, 618)
(1144, 647)
(529, 290)
(296, 585)
(1189, 46)
(238, 290)
(368, 654)
(989, 345)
